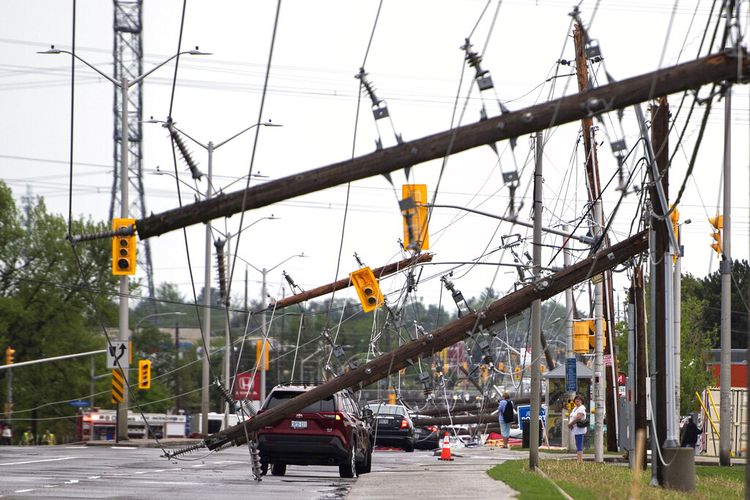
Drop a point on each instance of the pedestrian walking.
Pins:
(7, 435)
(578, 424)
(506, 414)
(690, 434)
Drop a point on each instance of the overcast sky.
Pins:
(416, 65)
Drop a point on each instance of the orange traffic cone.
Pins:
(445, 452)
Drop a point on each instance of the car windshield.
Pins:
(386, 409)
(279, 397)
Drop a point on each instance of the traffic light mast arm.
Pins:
(56, 358)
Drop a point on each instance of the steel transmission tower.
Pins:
(128, 57)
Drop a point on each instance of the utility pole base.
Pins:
(679, 474)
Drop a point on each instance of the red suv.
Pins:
(332, 431)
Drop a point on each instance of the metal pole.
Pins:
(631, 379)
(536, 313)
(262, 367)
(677, 334)
(92, 374)
(725, 375)
(569, 352)
(207, 306)
(122, 408)
(227, 340)
(652, 355)
(672, 434)
(599, 378)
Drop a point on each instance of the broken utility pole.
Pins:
(691, 75)
(346, 282)
(441, 338)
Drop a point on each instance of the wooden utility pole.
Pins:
(439, 339)
(660, 141)
(346, 282)
(605, 387)
(690, 75)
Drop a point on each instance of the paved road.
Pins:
(133, 472)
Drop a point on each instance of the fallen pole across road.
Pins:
(433, 342)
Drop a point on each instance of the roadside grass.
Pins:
(590, 481)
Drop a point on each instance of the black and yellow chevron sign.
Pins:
(118, 385)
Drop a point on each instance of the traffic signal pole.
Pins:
(725, 267)
(122, 408)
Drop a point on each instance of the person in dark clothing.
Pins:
(690, 434)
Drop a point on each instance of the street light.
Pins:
(174, 313)
(124, 85)
(205, 375)
(264, 272)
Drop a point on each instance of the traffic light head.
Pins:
(718, 224)
(367, 289)
(144, 374)
(10, 354)
(416, 236)
(262, 355)
(123, 248)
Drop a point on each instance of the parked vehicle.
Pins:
(333, 431)
(392, 426)
(426, 437)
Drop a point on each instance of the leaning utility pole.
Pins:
(604, 387)
(439, 339)
(722, 66)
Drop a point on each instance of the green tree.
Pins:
(55, 299)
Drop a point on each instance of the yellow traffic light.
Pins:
(261, 355)
(123, 248)
(144, 374)
(718, 224)
(10, 355)
(584, 335)
(416, 236)
(367, 288)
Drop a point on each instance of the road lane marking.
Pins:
(37, 461)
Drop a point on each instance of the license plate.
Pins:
(299, 424)
(383, 421)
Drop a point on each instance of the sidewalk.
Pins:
(463, 478)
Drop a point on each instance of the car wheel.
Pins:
(409, 445)
(349, 469)
(278, 469)
(366, 464)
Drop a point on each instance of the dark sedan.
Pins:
(392, 426)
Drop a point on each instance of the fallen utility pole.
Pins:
(439, 339)
(691, 75)
(346, 282)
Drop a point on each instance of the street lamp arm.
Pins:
(285, 260)
(265, 124)
(53, 50)
(583, 239)
(174, 313)
(194, 52)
